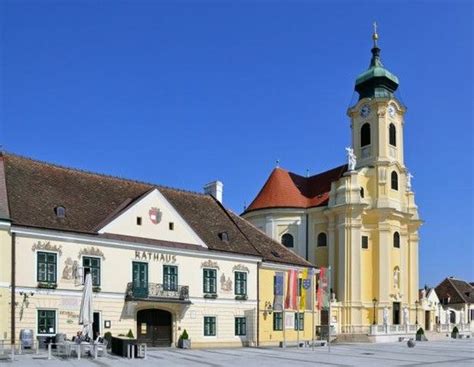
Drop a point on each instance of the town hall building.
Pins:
(359, 218)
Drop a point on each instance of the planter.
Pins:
(455, 335)
(184, 343)
(421, 338)
(242, 297)
(47, 285)
(210, 295)
(96, 289)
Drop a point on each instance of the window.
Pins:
(299, 320)
(240, 281)
(365, 242)
(46, 267)
(287, 240)
(240, 326)
(170, 278)
(300, 287)
(396, 240)
(60, 211)
(322, 240)
(139, 221)
(46, 322)
(171, 226)
(365, 135)
(209, 326)
(277, 321)
(392, 135)
(92, 266)
(210, 280)
(362, 194)
(224, 236)
(394, 182)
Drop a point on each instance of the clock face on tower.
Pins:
(365, 110)
(391, 111)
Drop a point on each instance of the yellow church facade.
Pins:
(360, 218)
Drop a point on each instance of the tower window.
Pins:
(392, 133)
(171, 226)
(394, 180)
(362, 192)
(396, 240)
(287, 240)
(139, 221)
(322, 240)
(365, 242)
(365, 135)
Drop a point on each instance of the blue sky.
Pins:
(180, 93)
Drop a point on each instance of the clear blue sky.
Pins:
(181, 93)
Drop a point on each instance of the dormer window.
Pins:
(171, 226)
(224, 236)
(60, 212)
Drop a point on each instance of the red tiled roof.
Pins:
(285, 189)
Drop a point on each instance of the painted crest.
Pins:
(306, 283)
(155, 215)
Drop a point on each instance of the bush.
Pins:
(420, 331)
(108, 336)
(455, 330)
(130, 334)
(184, 335)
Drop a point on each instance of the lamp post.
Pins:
(374, 301)
(416, 312)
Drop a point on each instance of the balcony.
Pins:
(157, 292)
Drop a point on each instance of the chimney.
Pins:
(214, 188)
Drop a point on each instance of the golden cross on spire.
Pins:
(375, 36)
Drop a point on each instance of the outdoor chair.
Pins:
(102, 348)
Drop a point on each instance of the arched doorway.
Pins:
(154, 327)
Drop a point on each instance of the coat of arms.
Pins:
(155, 215)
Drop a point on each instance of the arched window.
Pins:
(362, 194)
(365, 135)
(287, 240)
(60, 211)
(322, 240)
(394, 181)
(396, 240)
(392, 135)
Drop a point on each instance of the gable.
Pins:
(152, 216)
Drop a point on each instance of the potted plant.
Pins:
(108, 337)
(130, 334)
(420, 335)
(184, 342)
(455, 333)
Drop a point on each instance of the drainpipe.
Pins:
(12, 311)
(258, 304)
(307, 240)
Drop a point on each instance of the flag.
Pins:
(292, 289)
(278, 290)
(305, 290)
(323, 288)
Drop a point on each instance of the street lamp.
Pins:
(416, 311)
(374, 301)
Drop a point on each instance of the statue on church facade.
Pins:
(405, 315)
(351, 159)
(385, 315)
(409, 177)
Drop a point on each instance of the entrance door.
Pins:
(154, 328)
(96, 324)
(140, 280)
(427, 320)
(396, 313)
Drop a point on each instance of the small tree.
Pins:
(420, 331)
(130, 334)
(184, 335)
(455, 332)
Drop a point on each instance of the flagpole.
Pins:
(329, 311)
(298, 299)
(313, 287)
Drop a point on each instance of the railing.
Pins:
(156, 291)
(355, 329)
(440, 328)
(392, 329)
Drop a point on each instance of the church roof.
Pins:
(30, 191)
(285, 189)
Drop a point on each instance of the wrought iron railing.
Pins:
(157, 291)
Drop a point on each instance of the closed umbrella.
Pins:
(86, 313)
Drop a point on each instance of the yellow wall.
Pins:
(5, 282)
(269, 336)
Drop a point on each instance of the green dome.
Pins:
(376, 81)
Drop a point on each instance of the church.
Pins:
(360, 218)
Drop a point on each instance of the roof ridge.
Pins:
(84, 171)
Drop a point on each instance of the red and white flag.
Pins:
(291, 301)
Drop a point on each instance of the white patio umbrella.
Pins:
(86, 313)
